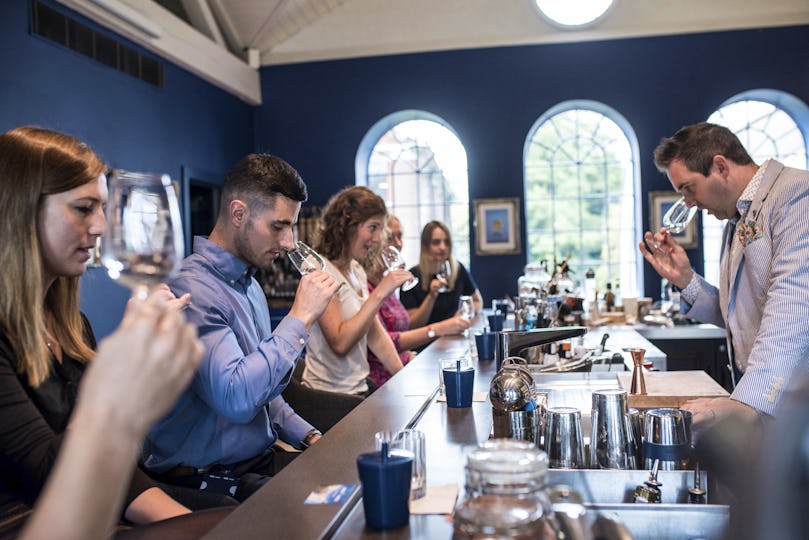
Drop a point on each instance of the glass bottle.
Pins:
(609, 299)
(590, 297)
(505, 493)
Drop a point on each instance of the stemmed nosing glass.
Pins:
(678, 216)
(143, 241)
(444, 271)
(306, 259)
(394, 261)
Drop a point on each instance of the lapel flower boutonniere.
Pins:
(748, 231)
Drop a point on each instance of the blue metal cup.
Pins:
(385, 479)
(485, 341)
(458, 384)
(496, 322)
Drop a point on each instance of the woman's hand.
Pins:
(667, 257)
(451, 326)
(392, 280)
(142, 367)
(436, 285)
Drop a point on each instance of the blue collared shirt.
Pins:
(233, 409)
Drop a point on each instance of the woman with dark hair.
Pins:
(336, 354)
(436, 297)
(51, 214)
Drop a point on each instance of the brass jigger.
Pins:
(638, 383)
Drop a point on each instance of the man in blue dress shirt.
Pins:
(223, 428)
(762, 299)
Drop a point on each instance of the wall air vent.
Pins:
(55, 26)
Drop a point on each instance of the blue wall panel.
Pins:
(316, 114)
(130, 123)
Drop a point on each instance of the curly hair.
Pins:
(344, 212)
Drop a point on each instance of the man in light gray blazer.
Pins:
(763, 296)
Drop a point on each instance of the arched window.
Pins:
(581, 185)
(768, 124)
(416, 162)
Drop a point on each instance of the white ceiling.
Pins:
(231, 39)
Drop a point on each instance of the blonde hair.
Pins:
(35, 163)
(426, 264)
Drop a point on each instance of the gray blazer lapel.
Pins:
(736, 247)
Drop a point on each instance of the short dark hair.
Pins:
(258, 178)
(696, 146)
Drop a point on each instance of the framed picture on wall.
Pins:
(497, 226)
(659, 203)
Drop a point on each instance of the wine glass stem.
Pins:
(141, 292)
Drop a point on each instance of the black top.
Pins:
(33, 421)
(447, 303)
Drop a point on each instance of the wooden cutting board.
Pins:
(671, 388)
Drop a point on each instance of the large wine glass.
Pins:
(306, 259)
(394, 261)
(678, 216)
(143, 242)
(444, 271)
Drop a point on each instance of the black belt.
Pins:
(237, 469)
(184, 471)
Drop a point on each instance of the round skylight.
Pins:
(573, 13)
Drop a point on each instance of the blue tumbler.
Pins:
(385, 479)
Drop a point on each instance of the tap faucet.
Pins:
(512, 342)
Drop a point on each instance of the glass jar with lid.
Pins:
(504, 495)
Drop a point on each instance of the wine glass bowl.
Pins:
(444, 271)
(678, 216)
(143, 240)
(466, 308)
(305, 259)
(393, 260)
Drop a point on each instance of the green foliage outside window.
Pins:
(579, 196)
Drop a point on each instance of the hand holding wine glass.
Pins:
(444, 271)
(143, 241)
(306, 259)
(393, 261)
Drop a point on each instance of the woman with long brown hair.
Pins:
(51, 214)
(436, 297)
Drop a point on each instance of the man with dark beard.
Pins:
(220, 434)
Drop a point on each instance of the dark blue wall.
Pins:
(316, 114)
(130, 123)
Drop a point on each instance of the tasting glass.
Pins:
(306, 259)
(394, 261)
(444, 271)
(466, 308)
(678, 216)
(143, 241)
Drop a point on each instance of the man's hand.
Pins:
(707, 411)
(314, 293)
(667, 257)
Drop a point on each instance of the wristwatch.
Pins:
(307, 441)
(430, 332)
